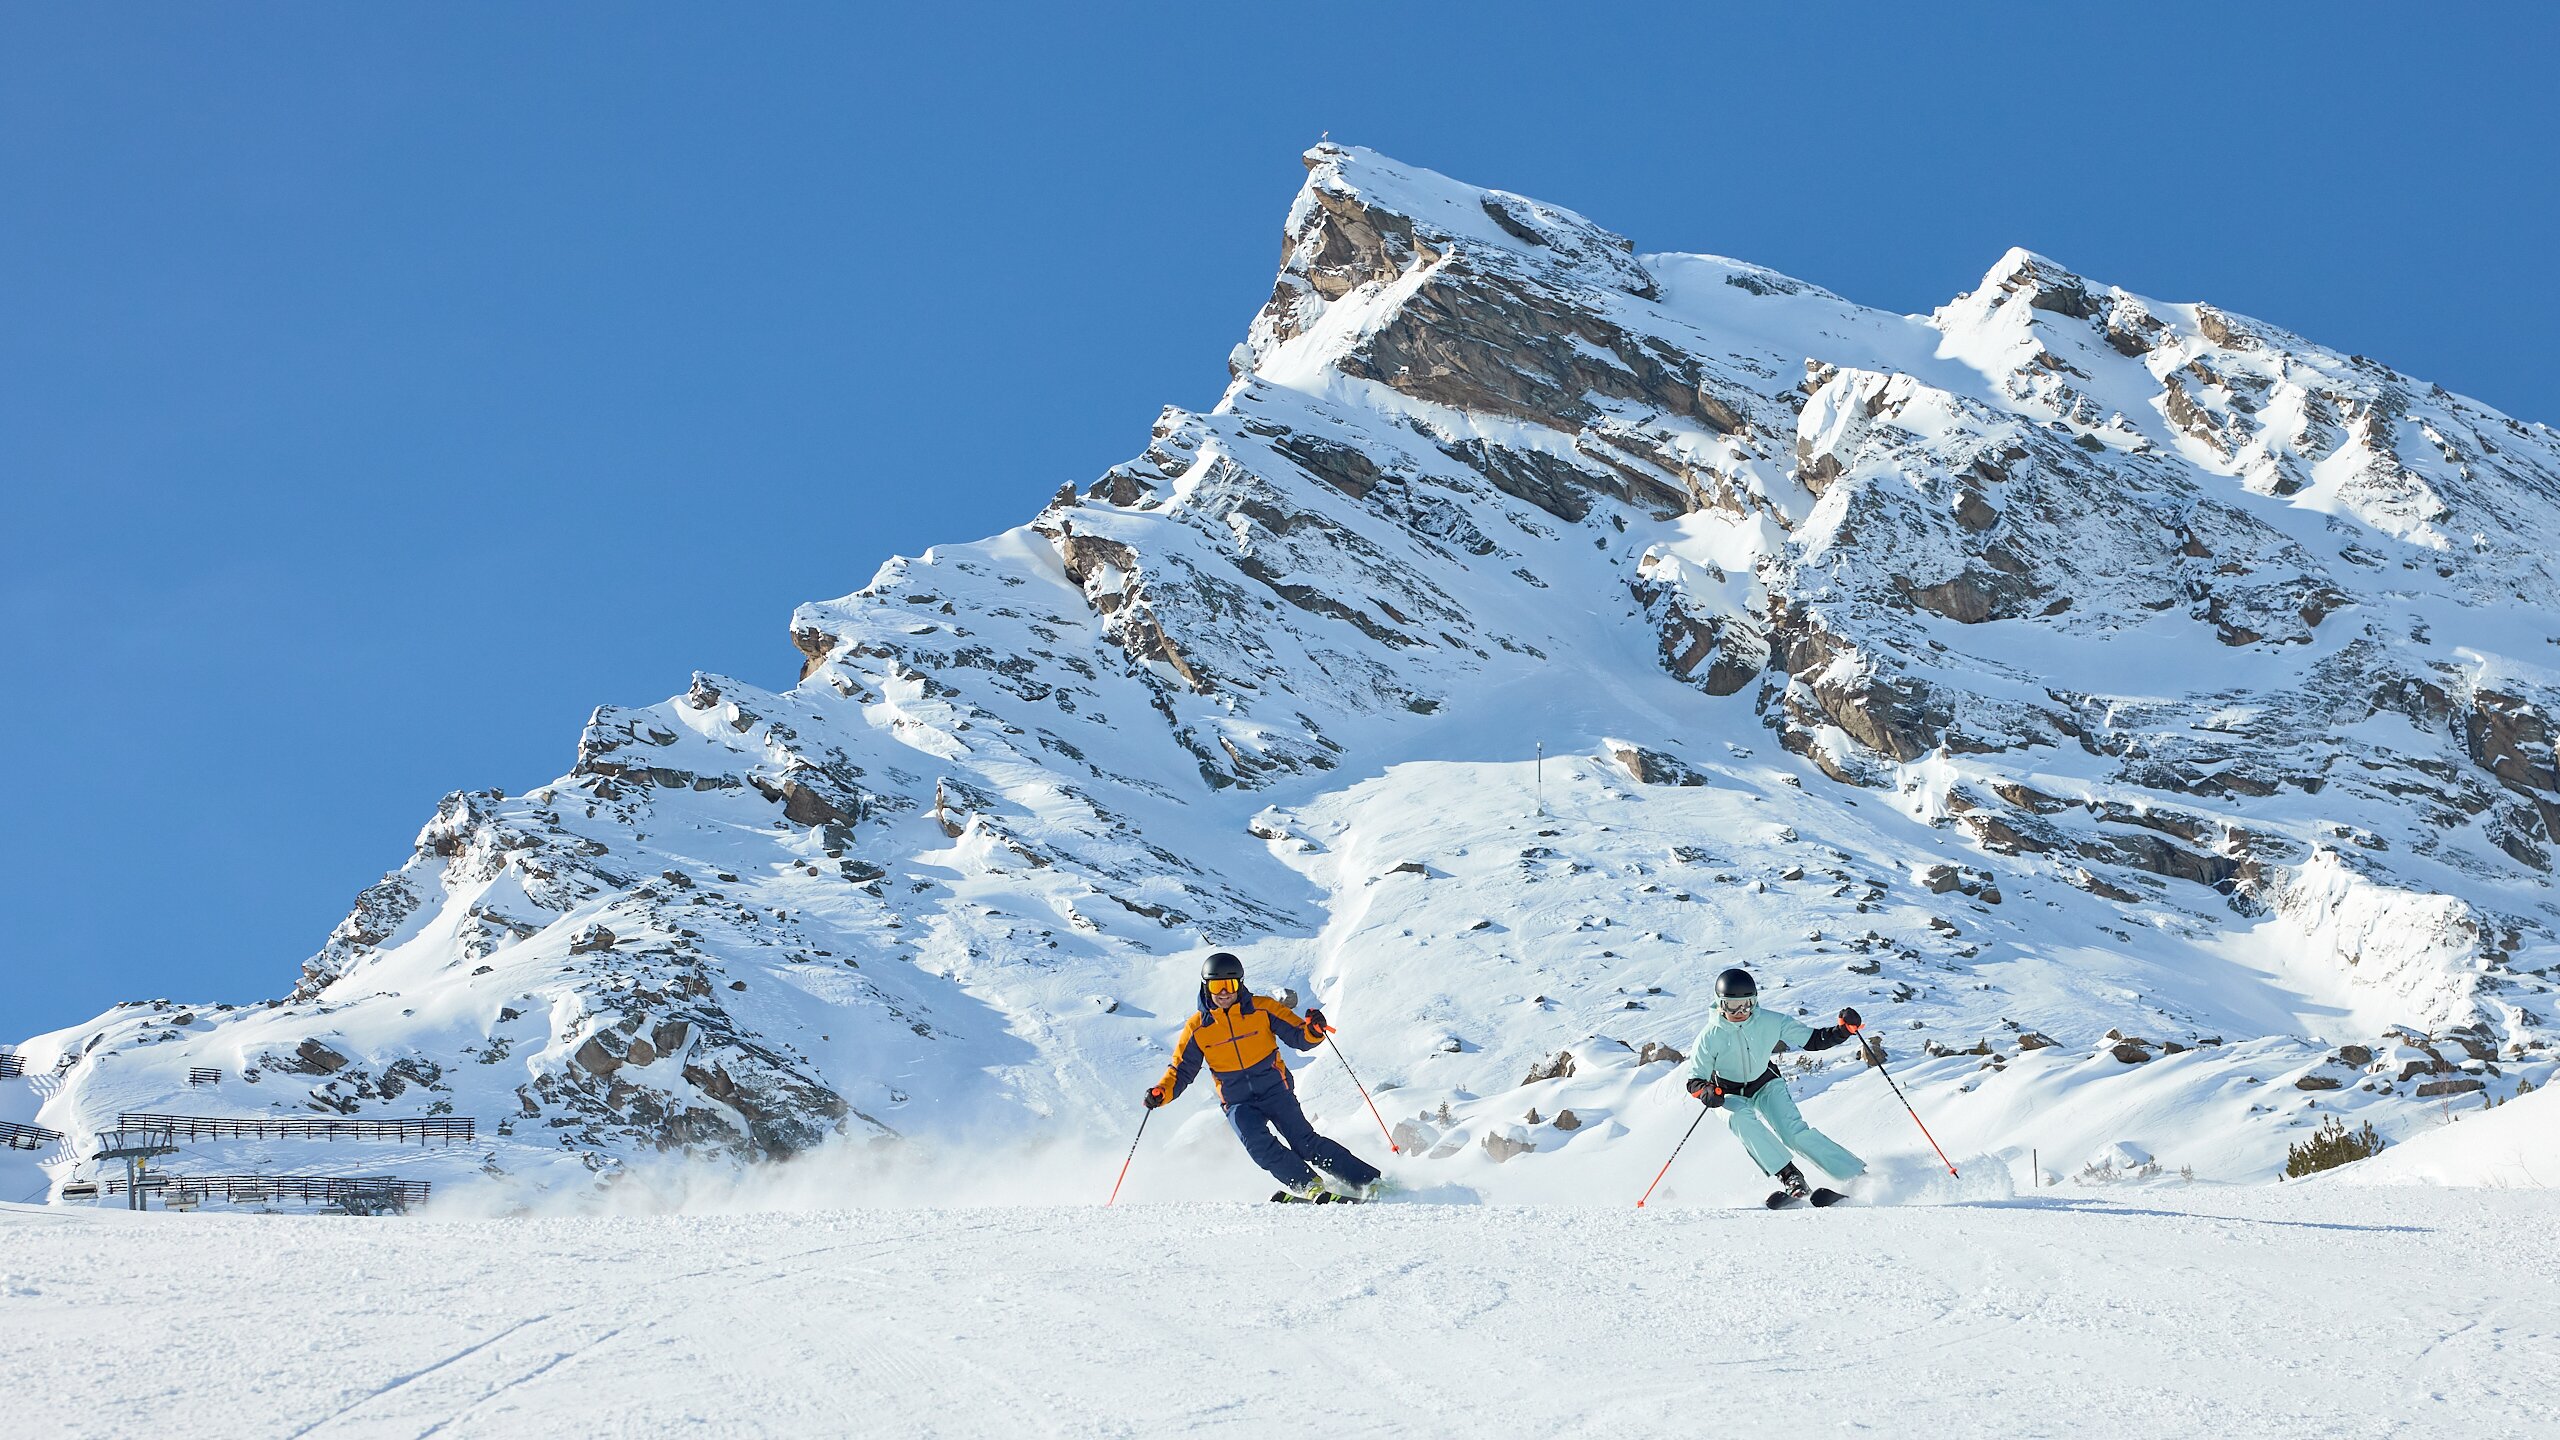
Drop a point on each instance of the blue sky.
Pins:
(382, 387)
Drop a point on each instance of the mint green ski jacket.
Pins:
(1735, 1055)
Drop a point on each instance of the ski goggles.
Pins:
(1738, 1010)
(1222, 989)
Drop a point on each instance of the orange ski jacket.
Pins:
(1240, 1044)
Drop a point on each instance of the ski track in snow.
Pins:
(2311, 1310)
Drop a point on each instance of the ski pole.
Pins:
(1675, 1154)
(1133, 1154)
(1875, 1057)
(1364, 1093)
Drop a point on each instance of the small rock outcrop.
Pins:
(1654, 767)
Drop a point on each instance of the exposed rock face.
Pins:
(2184, 619)
(1708, 634)
(316, 1058)
(1647, 766)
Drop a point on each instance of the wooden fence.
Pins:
(27, 1137)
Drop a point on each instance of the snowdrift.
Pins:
(2513, 1147)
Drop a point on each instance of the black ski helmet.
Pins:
(1222, 966)
(1737, 984)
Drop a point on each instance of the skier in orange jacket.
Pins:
(1238, 1034)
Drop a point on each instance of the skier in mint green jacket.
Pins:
(1730, 1068)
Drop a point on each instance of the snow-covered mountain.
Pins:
(2142, 713)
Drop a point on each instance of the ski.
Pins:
(1826, 1197)
(1321, 1197)
(1780, 1199)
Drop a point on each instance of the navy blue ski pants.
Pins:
(1276, 1134)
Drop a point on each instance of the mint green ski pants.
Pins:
(1768, 1125)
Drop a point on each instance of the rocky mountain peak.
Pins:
(1357, 188)
(1362, 219)
(2043, 283)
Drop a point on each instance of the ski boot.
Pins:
(1793, 1187)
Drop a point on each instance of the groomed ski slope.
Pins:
(2302, 1310)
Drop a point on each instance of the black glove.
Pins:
(1850, 1022)
(1317, 1025)
(1156, 1096)
(1709, 1093)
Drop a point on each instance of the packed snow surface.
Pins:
(2300, 1310)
